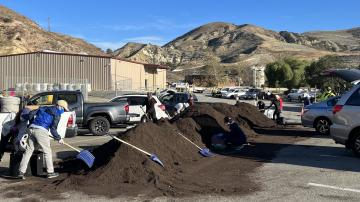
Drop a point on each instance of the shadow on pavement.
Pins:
(326, 157)
(290, 132)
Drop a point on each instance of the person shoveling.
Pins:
(41, 121)
(232, 141)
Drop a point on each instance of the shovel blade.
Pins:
(154, 158)
(86, 157)
(206, 152)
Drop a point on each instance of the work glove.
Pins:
(61, 141)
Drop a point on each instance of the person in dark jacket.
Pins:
(236, 137)
(41, 121)
(150, 107)
(276, 104)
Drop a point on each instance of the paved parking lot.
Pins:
(315, 169)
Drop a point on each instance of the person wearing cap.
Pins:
(236, 138)
(43, 120)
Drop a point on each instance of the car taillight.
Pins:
(162, 107)
(337, 108)
(126, 108)
(70, 122)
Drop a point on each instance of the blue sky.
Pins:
(112, 23)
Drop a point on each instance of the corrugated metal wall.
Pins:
(50, 67)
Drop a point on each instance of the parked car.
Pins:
(97, 117)
(252, 93)
(137, 109)
(346, 120)
(295, 94)
(216, 92)
(319, 115)
(172, 99)
(234, 92)
(223, 91)
(199, 90)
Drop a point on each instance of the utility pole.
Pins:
(49, 28)
(116, 78)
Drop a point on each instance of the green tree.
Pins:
(272, 73)
(288, 72)
(314, 70)
(109, 51)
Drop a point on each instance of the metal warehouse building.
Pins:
(48, 70)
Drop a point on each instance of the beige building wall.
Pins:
(127, 75)
(161, 78)
(134, 76)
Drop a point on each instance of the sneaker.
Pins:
(21, 176)
(52, 175)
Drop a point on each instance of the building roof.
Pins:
(147, 65)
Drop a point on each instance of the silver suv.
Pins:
(346, 120)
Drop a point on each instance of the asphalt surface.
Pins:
(315, 169)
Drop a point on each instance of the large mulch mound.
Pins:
(120, 170)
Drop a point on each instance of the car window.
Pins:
(42, 100)
(167, 98)
(137, 100)
(120, 99)
(354, 99)
(332, 102)
(69, 98)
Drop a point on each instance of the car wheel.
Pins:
(232, 97)
(144, 119)
(356, 145)
(99, 126)
(322, 126)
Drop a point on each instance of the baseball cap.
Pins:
(63, 103)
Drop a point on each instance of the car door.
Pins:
(330, 105)
(124, 100)
(350, 113)
(135, 108)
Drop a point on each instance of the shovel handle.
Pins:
(78, 150)
(189, 140)
(122, 141)
(66, 144)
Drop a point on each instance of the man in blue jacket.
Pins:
(236, 138)
(41, 121)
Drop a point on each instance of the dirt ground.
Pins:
(121, 171)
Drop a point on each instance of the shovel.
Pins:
(203, 151)
(153, 157)
(83, 155)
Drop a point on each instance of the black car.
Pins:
(216, 93)
(252, 94)
(170, 100)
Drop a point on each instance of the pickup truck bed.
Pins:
(98, 117)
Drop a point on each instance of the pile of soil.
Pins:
(120, 170)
